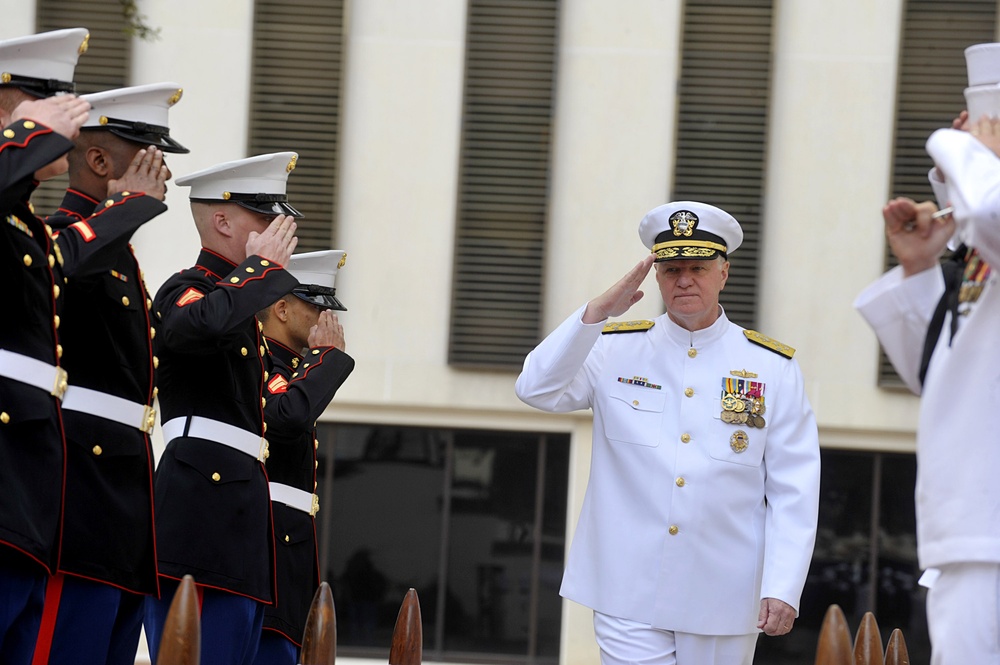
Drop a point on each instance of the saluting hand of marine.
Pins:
(277, 242)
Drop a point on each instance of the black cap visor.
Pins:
(142, 132)
(319, 296)
(262, 204)
(35, 87)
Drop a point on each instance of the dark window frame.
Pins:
(435, 625)
(723, 112)
(503, 188)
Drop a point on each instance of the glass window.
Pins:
(484, 511)
(865, 557)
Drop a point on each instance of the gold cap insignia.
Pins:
(104, 120)
(84, 45)
(176, 97)
(226, 196)
(291, 164)
(343, 260)
(5, 77)
(684, 222)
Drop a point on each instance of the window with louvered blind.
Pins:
(104, 66)
(932, 76)
(503, 182)
(295, 103)
(723, 101)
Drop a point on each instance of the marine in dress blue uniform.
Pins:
(32, 382)
(94, 605)
(700, 514)
(213, 516)
(307, 370)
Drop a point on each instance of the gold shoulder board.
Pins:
(768, 343)
(641, 325)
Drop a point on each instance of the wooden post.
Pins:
(868, 643)
(407, 636)
(319, 640)
(834, 646)
(896, 653)
(181, 640)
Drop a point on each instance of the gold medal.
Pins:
(739, 406)
(729, 402)
(739, 441)
(728, 417)
(758, 422)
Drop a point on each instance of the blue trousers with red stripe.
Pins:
(22, 595)
(230, 624)
(276, 649)
(88, 622)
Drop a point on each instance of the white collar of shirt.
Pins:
(696, 338)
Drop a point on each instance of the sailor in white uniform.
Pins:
(699, 521)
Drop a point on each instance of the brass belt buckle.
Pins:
(315, 506)
(60, 384)
(148, 419)
(264, 452)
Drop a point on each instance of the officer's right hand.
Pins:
(276, 243)
(327, 332)
(617, 300)
(147, 174)
(915, 236)
(63, 114)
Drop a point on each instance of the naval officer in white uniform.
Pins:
(700, 515)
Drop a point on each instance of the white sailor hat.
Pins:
(256, 183)
(982, 62)
(42, 65)
(317, 273)
(982, 100)
(689, 230)
(138, 114)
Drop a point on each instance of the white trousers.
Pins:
(625, 642)
(963, 615)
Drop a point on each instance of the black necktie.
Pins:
(952, 270)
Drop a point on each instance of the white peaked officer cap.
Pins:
(42, 65)
(317, 274)
(689, 230)
(256, 183)
(137, 114)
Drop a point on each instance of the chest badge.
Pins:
(977, 273)
(743, 402)
(739, 441)
(19, 225)
(639, 381)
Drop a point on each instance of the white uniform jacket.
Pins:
(958, 458)
(675, 530)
